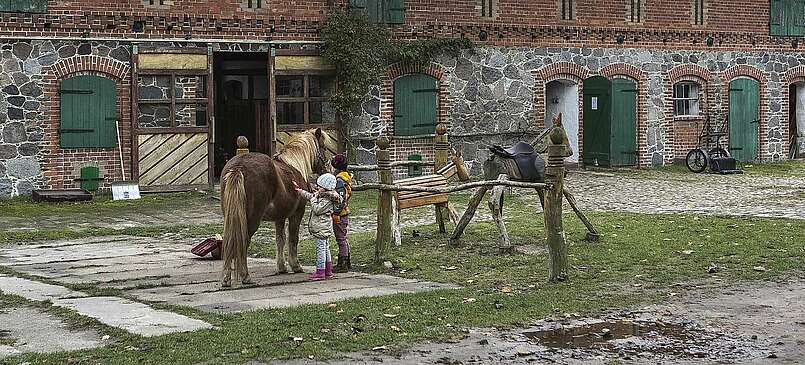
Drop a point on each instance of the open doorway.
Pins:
(241, 104)
(562, 97)
(796, 120)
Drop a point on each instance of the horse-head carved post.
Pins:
(384, 208)
(243, 145)
(558, 149)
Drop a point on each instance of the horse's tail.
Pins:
(233, 198)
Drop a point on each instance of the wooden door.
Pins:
(597, 121)
(623, 146)
(744, 118)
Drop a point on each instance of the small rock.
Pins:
(772, 356)
(379, 348)
(713, 268)
(754, 337)
(760, 269)
(522, 351)
(483, 342)
(388, 265)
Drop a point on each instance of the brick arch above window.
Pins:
(743, 70)
(677, 73)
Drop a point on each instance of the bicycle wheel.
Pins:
(696, 160)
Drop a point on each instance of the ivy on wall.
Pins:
(361, 52)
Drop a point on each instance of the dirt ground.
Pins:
(758, 323)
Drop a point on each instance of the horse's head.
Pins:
(306, 152)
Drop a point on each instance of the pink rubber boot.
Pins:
(328, 269)
(318, 275)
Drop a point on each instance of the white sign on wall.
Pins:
(594, 102)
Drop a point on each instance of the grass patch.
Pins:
(101, 205)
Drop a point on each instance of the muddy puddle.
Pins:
(636, 338)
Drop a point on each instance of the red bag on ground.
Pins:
(209, 245)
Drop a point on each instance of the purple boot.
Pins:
(318, 275)
(328, 269)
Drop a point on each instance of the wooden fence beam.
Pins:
(451, 189)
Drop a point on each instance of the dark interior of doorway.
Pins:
(241, 103)
(792, 121)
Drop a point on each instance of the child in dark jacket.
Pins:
(341, 216)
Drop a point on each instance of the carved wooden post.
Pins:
(384, 206)
(554, 231)
(243, 146)
(441, 148)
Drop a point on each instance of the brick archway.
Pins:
(758, 75)
(637, 75)
(560, 71)
(683, 132)
(59, 165)
(402, 147)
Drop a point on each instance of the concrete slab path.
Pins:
(31, 330)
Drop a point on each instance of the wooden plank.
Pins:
(174, 154)
(301, 63)
(155, 148)
(168, 61)
(418, 179)
(184, 165)
(423, 201)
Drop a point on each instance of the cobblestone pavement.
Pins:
(665, 192)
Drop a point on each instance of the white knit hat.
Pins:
(326, 181)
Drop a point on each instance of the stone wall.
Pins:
(496, 95)
(29, 153)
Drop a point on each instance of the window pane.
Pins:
(292, 86)
(290, 113)
(154, 116)
(321, 85)
(190, 87)
(321, 112)
(191, 115)
(236, 87)
(154, 87)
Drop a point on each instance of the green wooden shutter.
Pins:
(394, 11)
(24, 6)
(90, 178)
(371, 8)
(88, 112)
(415, 105)
(795, 17)
(776, 17)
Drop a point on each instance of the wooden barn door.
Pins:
(597, 121)
(744, 118)
(172, 128)
(624, 123)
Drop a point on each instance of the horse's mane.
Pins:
(300, 152)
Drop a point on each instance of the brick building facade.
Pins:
(190, 75)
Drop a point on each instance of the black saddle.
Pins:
(528, 161)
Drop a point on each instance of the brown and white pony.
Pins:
(256, 187)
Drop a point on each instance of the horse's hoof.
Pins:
(298, 270)
(247, 281)
(226, 284)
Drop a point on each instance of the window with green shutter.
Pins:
(88, 112)
(380, 11)
(787, 17)
(24, 6)
(415, 105)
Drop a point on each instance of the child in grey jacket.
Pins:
(320, 222)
